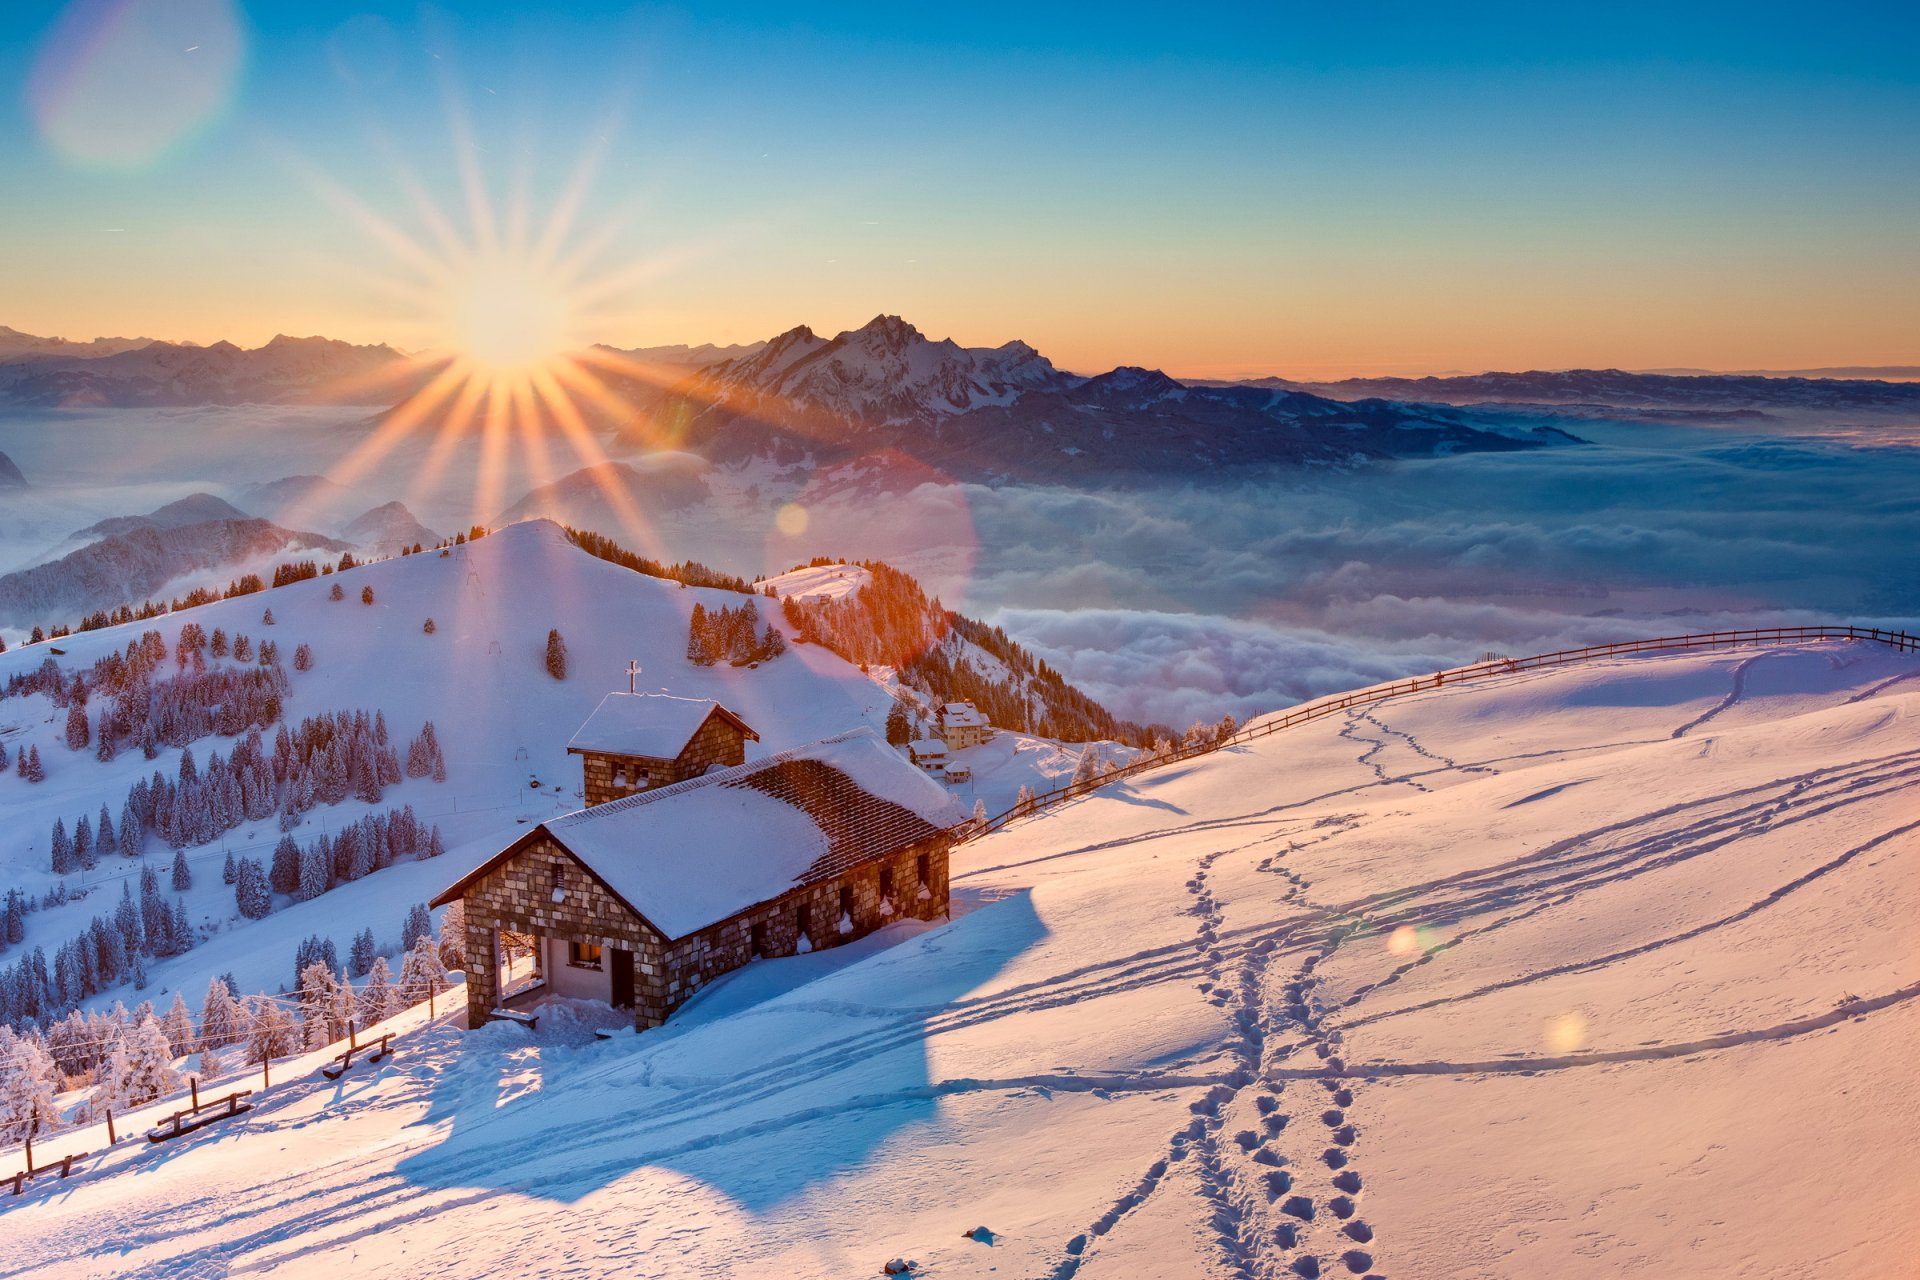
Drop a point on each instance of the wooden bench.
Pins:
(381, 1048)
(200, 1115)
(527, 1020)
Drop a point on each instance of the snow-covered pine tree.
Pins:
(378, 998)
(337, 593)
(149, 1064)
(83, 842)
(319, 1001)
(556, 655)
(29, 1082)
(417, 926)
(79, 732)
(266, 619)
(33, 770)
(271, 1032)
(242, 648)
(251, 893)
(222, 1020)
(182, 877)
(178, 1026)
(316, 873)
(61, 850)
(1088, 767)
(422, 972)
(105, 840)
(229, 873)
(360, 955)
(366, 595)
(303, 657)
(1023, 801)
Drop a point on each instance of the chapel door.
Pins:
(622, 978)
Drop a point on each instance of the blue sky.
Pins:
(1307, 190)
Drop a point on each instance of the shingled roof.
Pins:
(656, 725)
(694, 853)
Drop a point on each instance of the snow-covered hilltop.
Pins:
(1572, 973)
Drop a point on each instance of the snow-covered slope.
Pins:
(1580, 973)
(503, 723)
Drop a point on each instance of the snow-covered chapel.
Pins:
(638, 901)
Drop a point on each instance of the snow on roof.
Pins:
(696, 852)
(927, 747)
(962, 713)
(647, 724)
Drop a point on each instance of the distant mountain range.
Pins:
(143, 561)
(285, 370)
(1008, 412)
(1616, 387)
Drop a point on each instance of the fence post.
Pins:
(110, 1138)
(193, 1083)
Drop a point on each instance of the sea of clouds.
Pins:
(1181, 602)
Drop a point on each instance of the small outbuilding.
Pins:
(635, 742)
(640, 901)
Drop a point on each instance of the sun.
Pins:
(499, 311)
(508, 319)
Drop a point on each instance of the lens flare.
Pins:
(1567, 1033)
(792, 519)
(121, 83)
(1403, 941)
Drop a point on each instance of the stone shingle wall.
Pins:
(721, 948)
(716, 742)
(518, 896)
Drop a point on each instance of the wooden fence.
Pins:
(1306, 713)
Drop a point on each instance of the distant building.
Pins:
(930, 754)
(641, 901)
(635, 742)
(963, 726)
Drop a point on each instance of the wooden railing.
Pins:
(1901, 641)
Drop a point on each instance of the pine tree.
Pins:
(178, 1026)
(79, 733)
(243, 649)
(378, 998)
(1088, 767)
(63, 861)
(31, 768)
(266, 619)
(271, 1032)
(218, 645)
(979, 812)
(417, 927)
(556, 655)
(361, 954)
(336, 593)
(229, 872)
(28, 1082)
(251, 893)
(319, 1003)
(428, 628)
(285, 877)
(422, 972)
(899, 731)
(105, 841)
(315, 874)
(222, 1021)
(303, 658)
